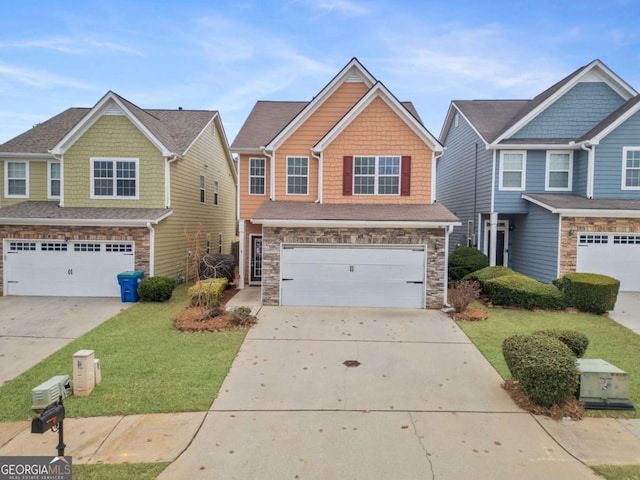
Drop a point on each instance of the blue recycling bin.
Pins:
(128, 282)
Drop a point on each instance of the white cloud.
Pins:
(343, 7)
(39, 78)
(80, 45)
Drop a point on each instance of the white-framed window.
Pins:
(631, 168)
(376, 175)
(513, 168)
(216, 191)
(114, 178)
(257, 176)
(16, 179)
(53, 179)
(559, 171)
(202, 190)
(297, 175)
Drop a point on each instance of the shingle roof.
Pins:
(576, 202)
(43, 136)
(175, 129)
(50, 211)
(284, 210)
(490, 117)
(268, 118)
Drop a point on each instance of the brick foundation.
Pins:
(433, 238)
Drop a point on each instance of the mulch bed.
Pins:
(571, 408)
(472, 313)
(196, 319)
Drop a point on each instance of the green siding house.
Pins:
(96, 191)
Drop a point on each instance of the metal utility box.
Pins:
(602, 385)
(84, 372)
(50, 392)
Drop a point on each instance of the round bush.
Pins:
(465, 260)
(156, 289)
(576, 341)
(544, 366)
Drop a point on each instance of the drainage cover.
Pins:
(351, 363)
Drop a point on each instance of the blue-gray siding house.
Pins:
(549, 185)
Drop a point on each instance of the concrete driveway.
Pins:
(414, 400)
(627, 310)
(32, 328)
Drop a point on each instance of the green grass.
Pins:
(130, 471)
(618, 472)
(607, 340)
(147, 366)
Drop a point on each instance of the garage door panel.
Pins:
(348, 276)
(66, 268)
(612, 255)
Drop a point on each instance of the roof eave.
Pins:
(354, 223)
(86, 222)
(27, 156)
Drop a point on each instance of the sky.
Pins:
(226, 55)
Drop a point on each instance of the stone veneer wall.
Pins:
(569, 243)
(434, 238)
(139, 235)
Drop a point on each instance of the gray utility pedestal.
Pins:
(602, 385)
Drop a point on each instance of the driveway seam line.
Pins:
(104, 440)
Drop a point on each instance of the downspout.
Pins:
(434, 161)
(475, 187)
(241, 252)
(447, 232)
(272, 171)
(590, 168)
(152, 248)
(167, 179)
(319, 158)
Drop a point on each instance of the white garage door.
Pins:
(616, 255)
(352, 276)
(66, 269)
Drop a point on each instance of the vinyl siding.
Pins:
(377, 131)
(580, 170)
(456, 178)
(309, 133)
(574, 114)
(533, 244)
(113, 136)
(250, 203)
(191, 220)
(609, 161)
(509, 201)
(37, 183)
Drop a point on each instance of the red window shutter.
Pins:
(405, 181)
(347, 176)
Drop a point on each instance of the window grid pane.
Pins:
(389, 175)
(512, 165)
(364, 175)
(632, 174)
(113, 178)
(297, 175)
(16, 178)
(257, 176)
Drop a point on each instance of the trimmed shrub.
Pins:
(465, 260)
(488, 273)
(589, 292)
(525, 292)
(217, 265)
(462, 293)
(576, 341)
(207, 293)
(544, 366)
(156, 289)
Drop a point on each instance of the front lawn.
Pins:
(607, 340)
(147, 366)
(130, 471)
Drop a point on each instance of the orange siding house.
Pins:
(336, 200)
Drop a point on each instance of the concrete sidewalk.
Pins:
(627, 311)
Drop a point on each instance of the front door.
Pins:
(502, 230)
(255, 274)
